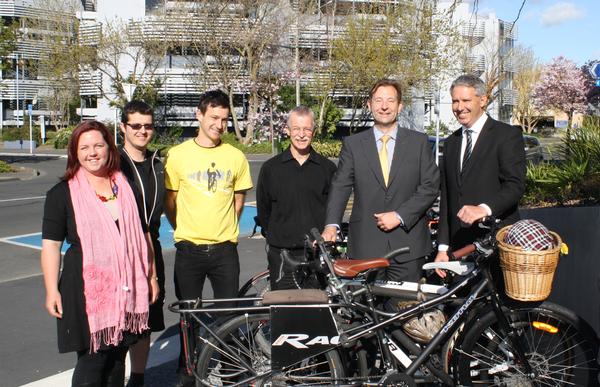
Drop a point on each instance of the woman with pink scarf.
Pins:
(101, 297)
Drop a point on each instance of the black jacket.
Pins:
(155, 198)
(494, 175)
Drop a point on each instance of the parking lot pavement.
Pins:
(162, 362)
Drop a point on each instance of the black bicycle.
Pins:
(344, 336)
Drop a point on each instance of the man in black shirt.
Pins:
(292, 194)
(145, 173)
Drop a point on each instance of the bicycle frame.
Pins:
(479, 280)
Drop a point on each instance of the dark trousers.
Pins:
(105, 368)
(193, 263)
(410, 271)
(156, 319)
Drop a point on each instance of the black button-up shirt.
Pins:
(292, 198)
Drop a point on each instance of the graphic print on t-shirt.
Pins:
(211, 179)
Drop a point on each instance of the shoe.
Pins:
(185, 381)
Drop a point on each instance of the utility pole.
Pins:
(17, 110)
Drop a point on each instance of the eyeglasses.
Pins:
(296, 129)
(140, 126)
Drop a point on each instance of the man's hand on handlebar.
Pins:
(329, 234)
(471, 214)
(442, 256)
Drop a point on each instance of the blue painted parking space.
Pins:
(34, 240)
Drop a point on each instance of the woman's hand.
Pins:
(54, 304)
(153, 290)
(50, 261)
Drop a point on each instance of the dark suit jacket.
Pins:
(413, 186)
(494, 175)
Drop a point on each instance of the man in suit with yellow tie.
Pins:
(393, 175)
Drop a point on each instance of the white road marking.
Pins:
(21, 244)
(18, 199)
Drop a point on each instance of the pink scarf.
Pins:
(115, 262)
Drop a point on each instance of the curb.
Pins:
(23, 175)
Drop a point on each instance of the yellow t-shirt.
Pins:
(206, 180)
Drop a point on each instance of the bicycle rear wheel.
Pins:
(246, 358)
(559, 346)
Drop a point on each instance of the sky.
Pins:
(552, 27)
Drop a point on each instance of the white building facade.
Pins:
(490, 41)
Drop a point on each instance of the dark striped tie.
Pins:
(468, 148)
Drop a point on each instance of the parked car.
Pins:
(533, 149)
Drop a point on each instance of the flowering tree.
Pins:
(562, 87)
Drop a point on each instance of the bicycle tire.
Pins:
(566, 357)
(248, 337)
(256, 286)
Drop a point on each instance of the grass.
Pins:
(5, 167)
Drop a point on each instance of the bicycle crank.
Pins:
(397, 379)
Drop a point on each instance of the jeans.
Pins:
(193, 263)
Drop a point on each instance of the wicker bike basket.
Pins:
(528, 275)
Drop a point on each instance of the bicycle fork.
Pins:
(513, 338)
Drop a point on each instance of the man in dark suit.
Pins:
(395, 180)
(483, 169)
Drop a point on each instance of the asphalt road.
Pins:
(28, 351)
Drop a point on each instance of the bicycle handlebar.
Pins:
(466, 250)
(483, 244)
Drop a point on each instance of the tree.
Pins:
(562, 88)
(527, 75)
(60, 56)
(9, 32)
(126, 45)
(413, 42)
(236, 46)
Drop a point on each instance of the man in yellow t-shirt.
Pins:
(206, 182)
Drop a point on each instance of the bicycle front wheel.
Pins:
(243, 357)
(558, 345)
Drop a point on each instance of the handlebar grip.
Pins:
(316, 235)
(394, 253)
(468, 249)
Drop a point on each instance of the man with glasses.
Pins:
(394, 178)
(145, 173)
(291, 196)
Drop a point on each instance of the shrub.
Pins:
(12, 133)
(166, 139)
(61, 139)
(258, 148)
(326, 148)
(50, 134)
(5, 167)
(575, 179)
(329, 149)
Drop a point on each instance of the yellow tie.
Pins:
(383, 158)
